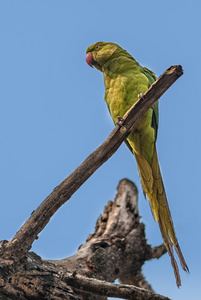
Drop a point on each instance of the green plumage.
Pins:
(124, 80)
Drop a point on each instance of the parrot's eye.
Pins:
(97, 47)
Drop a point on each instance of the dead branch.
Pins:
(103, 288)
(22, 241)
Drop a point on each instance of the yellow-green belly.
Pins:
(121, 93)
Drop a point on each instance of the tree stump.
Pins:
(116, 250)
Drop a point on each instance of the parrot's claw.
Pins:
(141, 95)
(119, 121)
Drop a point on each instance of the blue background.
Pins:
(53, 115)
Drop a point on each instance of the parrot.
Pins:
(125, 79)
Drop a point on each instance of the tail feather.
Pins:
(147, 182)
(181, 258)
(153, 186)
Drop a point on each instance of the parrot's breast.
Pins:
(121, 92)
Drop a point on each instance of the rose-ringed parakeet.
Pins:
(124, 80)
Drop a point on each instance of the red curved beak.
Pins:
(89, 59)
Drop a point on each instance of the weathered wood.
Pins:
(22, 241)
(116, 250)
(100, 287)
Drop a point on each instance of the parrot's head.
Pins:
(99, 53)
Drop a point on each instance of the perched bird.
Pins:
(124, 80)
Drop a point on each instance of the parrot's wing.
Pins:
(129, 146)
(154, 123)
(152, 77)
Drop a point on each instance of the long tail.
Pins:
(153, 186)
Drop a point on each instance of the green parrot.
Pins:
(124, 80)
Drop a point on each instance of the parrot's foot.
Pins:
(119, 121)
(141, 95)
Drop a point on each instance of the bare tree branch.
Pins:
(22, 241)
(157, 252)
(103, 288)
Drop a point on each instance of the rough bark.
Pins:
(116, 250)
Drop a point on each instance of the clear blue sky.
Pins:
(53, 115)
